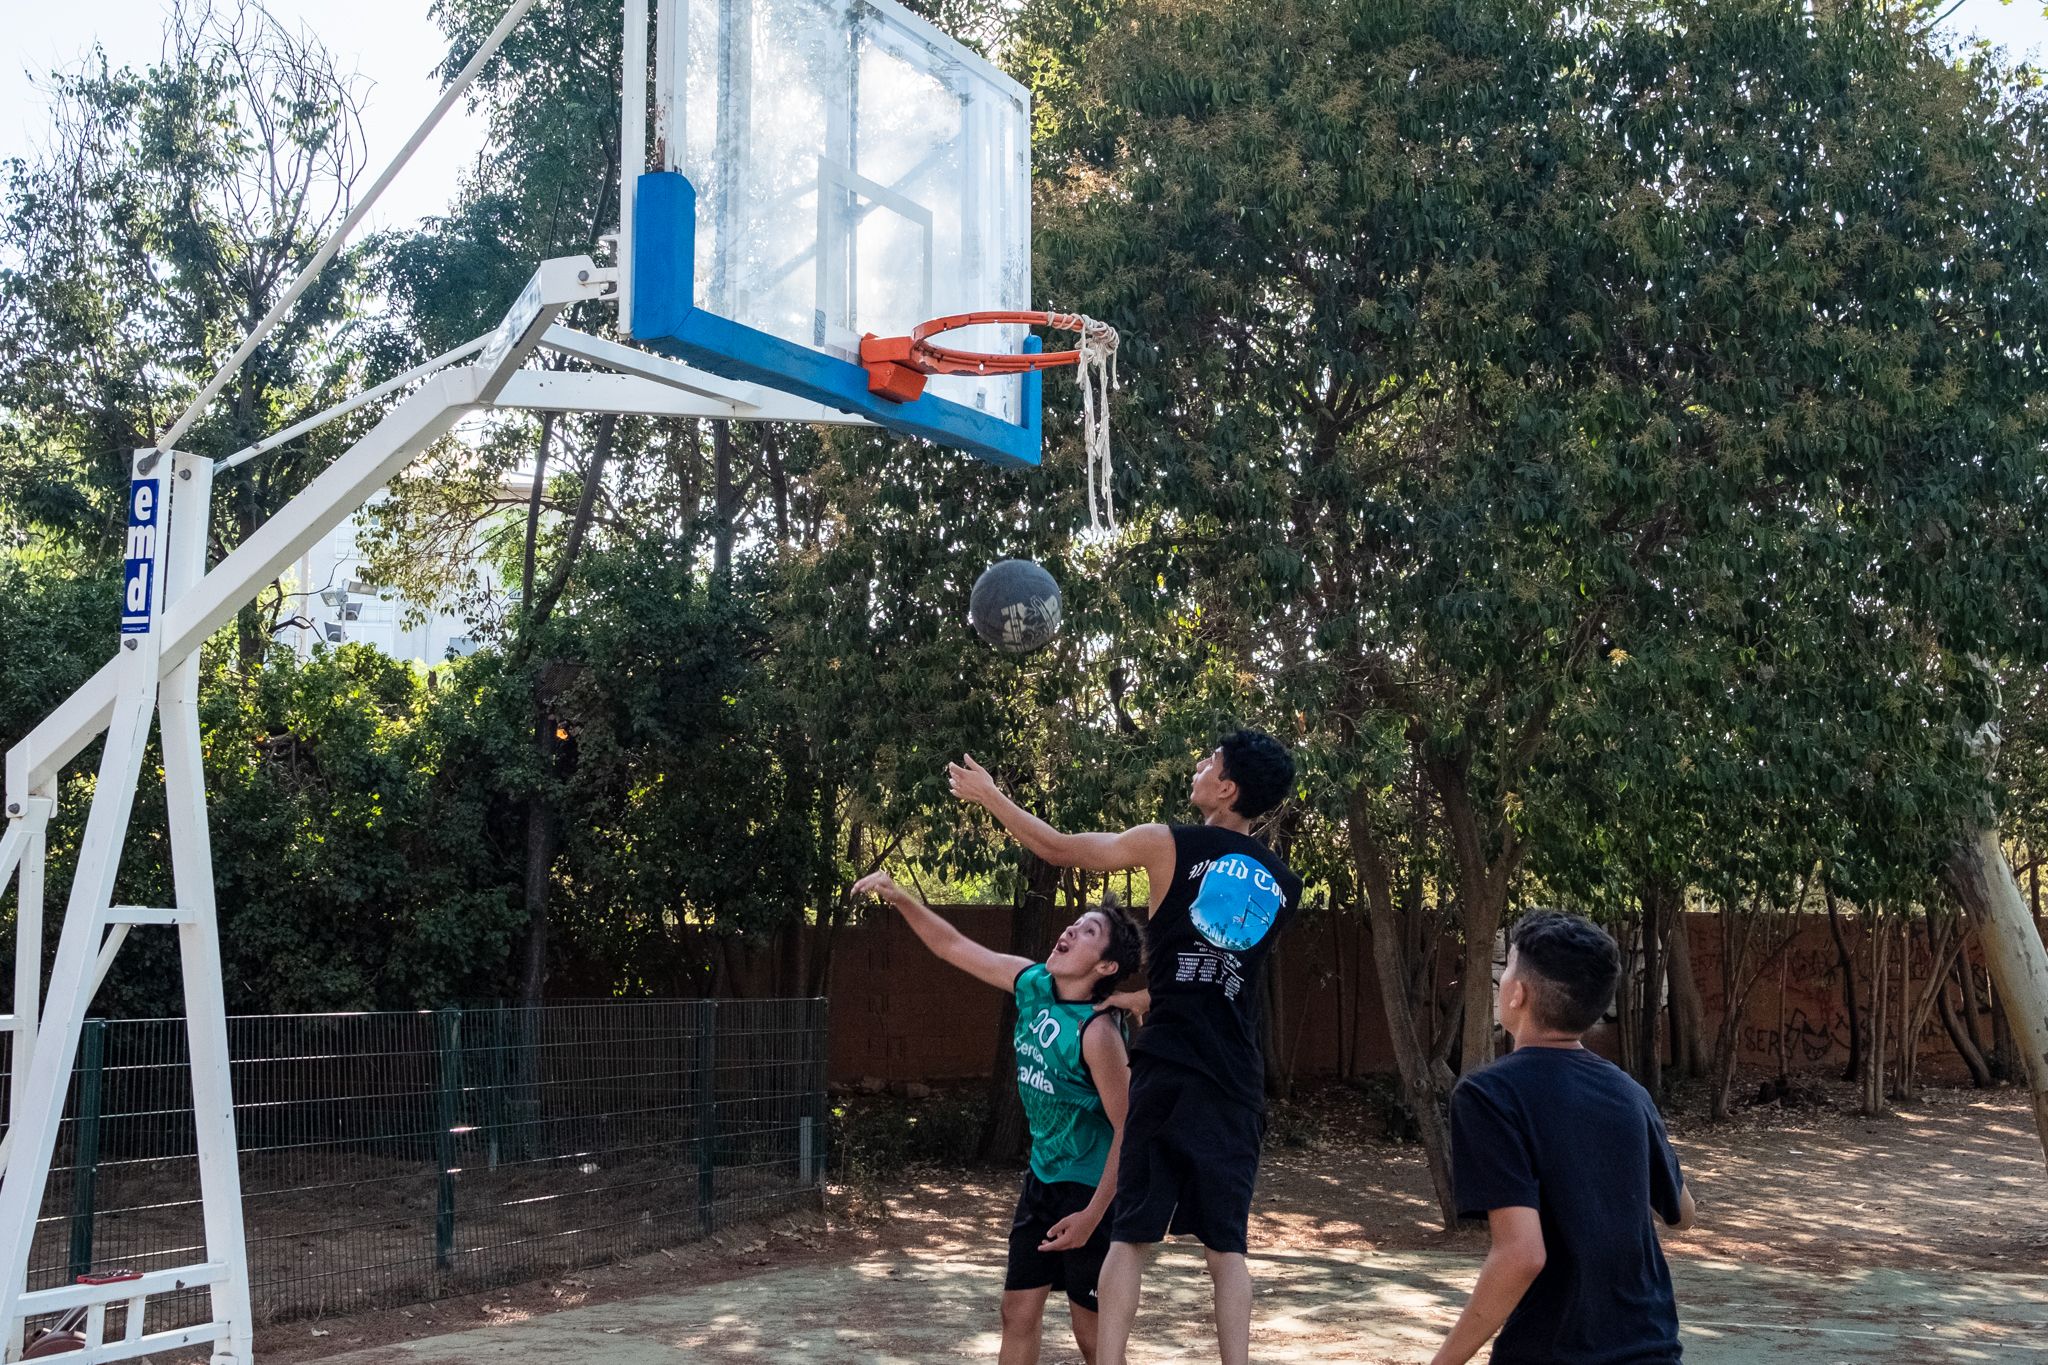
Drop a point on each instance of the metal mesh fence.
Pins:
(392, 1158)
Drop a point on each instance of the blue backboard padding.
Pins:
(666, 319)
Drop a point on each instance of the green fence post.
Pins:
(704, 1094)
(450, 1022)
(85, 1165)
(493, 1087)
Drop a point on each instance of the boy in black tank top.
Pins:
(1220, 898)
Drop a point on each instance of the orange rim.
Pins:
(934, 359)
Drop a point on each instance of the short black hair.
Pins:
(1126, 947)
(1575, 964)
(1262, 769)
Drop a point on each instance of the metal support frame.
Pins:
(171, 605)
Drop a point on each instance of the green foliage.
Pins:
(1608, 446)
(170, 208)
(875, 1137)
(55, 614)
(1617, 454)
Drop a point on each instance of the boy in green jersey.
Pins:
(1073, 1080)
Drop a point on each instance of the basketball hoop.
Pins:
(898, 366)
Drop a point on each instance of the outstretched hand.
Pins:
(878, 884)
(971, 782)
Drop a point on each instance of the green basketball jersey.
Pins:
(1070, 1134)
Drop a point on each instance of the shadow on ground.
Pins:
(1385, 1308)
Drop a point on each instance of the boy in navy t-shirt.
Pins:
(1566, 1158)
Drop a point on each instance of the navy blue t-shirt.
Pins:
(1569, 1134)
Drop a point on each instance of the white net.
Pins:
(1098, 376)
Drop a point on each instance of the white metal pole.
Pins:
(206, 1028)
(632, 149)
(28, 942)
(27, 842)
(391, 385)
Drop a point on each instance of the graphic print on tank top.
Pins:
(1237, 902)
(1235, 906)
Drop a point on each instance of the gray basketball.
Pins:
(1015, 606)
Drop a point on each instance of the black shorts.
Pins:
(1189, 1160)
(1039, 1206)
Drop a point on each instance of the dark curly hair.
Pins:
(1126, 947)
(1574, 963)
(1262, 769)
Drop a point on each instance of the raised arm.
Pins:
(949, 944)
(1146, 846)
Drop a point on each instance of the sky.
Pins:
(396, 47)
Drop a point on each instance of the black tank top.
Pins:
(1205, 949)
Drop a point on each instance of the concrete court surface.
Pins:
(1376, 1308)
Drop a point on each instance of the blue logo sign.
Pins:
(138, 579)
(1237, 904)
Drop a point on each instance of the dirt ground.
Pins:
(1951, 1185)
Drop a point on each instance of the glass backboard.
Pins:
(854, 171)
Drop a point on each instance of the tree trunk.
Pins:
(1880, 939)
(1903, 1088)
(1942, 948)
(1734, 952)
(533, 502)
(1482, 927)
(1627, 1005)
(725, 502)
(1854, 1070)
(542, 827)
(540, 862)
(834, 914)
(2005, 1057)
(1973, 1006)
(1447, 1037)
(1983, 882)
(1005, 1136)
(1418, 1083)
(1482, 900)
(1688, 1009)
(1649, 1052)
(1966, 1047)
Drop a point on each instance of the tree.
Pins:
(1357, 378)
(1469, 362)
(170, 209)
